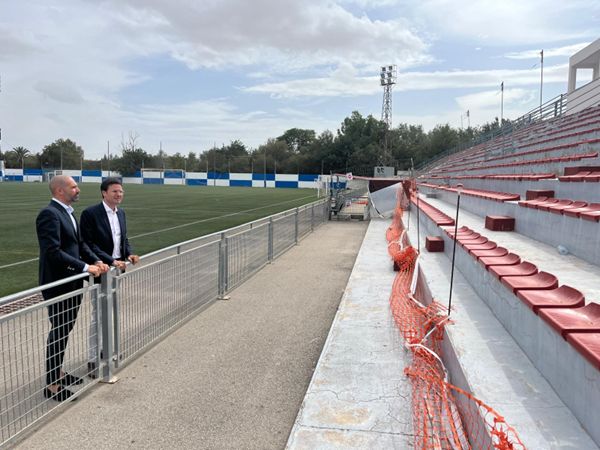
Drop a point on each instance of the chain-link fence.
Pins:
(135, 309)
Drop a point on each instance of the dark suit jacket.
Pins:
(96, 232)
(62, 251)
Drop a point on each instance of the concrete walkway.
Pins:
(232, 377)
(359, 396)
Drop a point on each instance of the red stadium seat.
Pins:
(532, 203)
(588, 344)
(543, 206)
(560, 209)
(576, 212)
(573, 320)
(539, 281)
(523, 269)
(593, 176)
(498, 251)
(506, 260)
(562, 297)
(564, 203)
(489, 245)
(475, 241)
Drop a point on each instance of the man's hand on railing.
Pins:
(96, 270)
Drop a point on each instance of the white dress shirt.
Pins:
(115, 229)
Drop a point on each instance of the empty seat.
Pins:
(539, 281)
(489, 245)
(593, 215)
(532, 203)
(498, 251)
(562, 297)
(588, 344)
(573, 320)
(559, 209)
(576, 212)
(507, 260)
(592, 176)
(543, 206)
(560, 204)
(475, 241)
(577, 177)
(522, 269)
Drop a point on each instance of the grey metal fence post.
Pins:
(222, 265)
(109, 325)
(312, 217)
(296, 226)
(270, 244)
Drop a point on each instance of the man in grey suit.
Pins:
(62, 254)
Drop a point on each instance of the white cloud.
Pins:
(492, 99)
(567, 50)
(352, 86)
(511, 21)
(285, 35)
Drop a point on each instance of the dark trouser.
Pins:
(62, 316)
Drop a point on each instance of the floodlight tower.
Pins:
(387, 80)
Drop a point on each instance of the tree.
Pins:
(61, 154)
(21, 153)
(131, 161)
(298, 139)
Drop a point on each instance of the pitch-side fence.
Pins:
(127, 312)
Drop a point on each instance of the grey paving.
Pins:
(359, 396)
(232, 377)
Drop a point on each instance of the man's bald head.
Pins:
(59, 181)
(64, 188)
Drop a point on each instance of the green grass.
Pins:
(149, 209)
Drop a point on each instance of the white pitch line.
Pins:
(177, 226)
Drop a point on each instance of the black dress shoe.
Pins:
(68, 380)
(61, 395)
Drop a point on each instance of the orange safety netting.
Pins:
(444, 416)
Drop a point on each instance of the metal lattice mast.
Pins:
(387, 80)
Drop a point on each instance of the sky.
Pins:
(186, 75)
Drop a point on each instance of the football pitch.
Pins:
(157, 216)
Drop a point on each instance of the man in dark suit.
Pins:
(104, 229)
(62, 254)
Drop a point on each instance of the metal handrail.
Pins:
(553, 108)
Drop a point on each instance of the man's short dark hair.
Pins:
(108, 182)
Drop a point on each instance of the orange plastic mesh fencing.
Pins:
(444, 416)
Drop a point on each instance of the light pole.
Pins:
(387, 81)
(501, 103)
(541, 80)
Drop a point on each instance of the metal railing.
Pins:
(136, 309)
(553, 108)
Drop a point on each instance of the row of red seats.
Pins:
(590, 118)
(563, 308)
(440, 218)
(502, 176)
(584, 175)
(478, 152)
(567, 207)
(554, 148)
(481, 193)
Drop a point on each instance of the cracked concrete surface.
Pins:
(359, 396)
